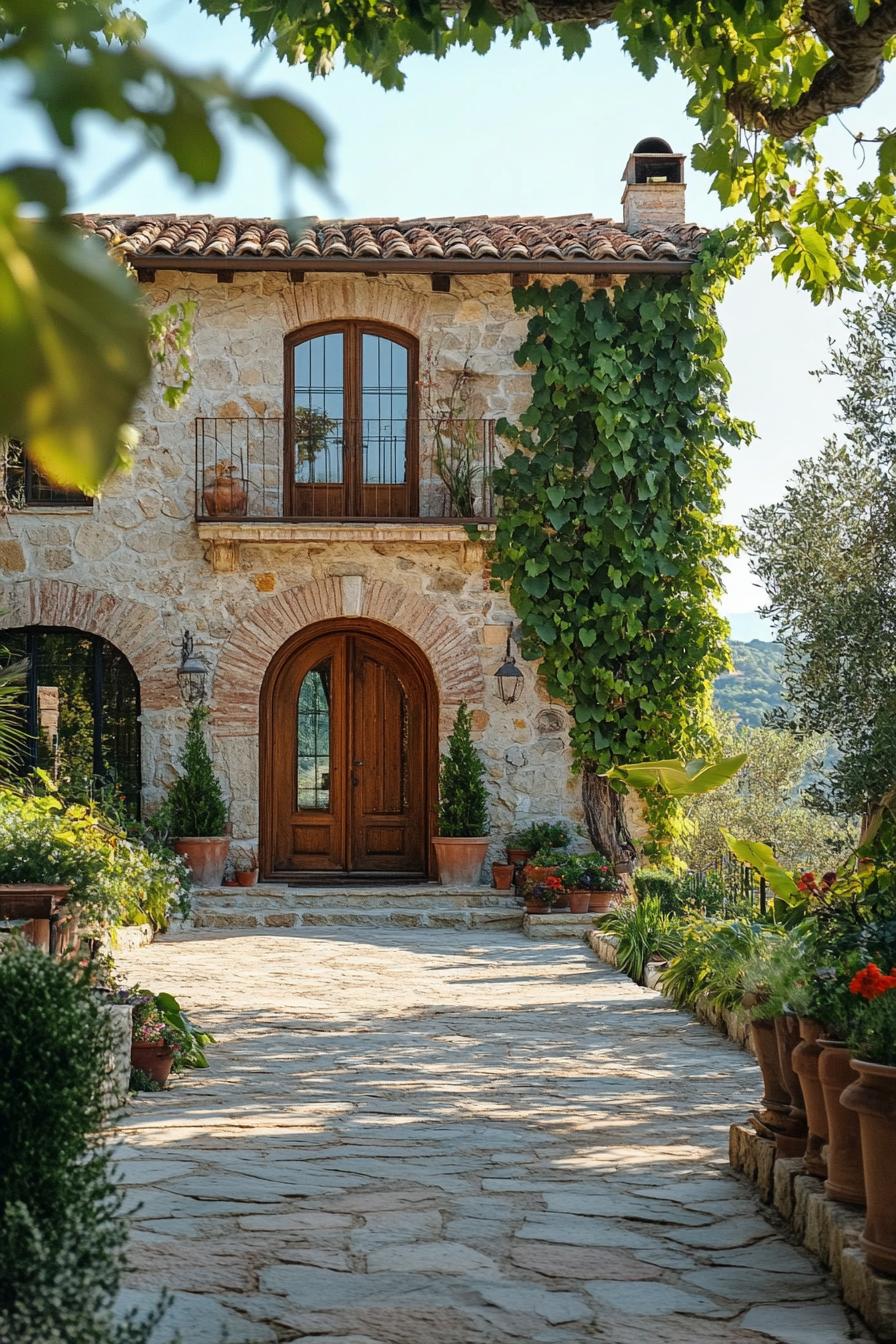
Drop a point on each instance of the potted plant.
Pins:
(195, 812)
(873, 1099)
(542, 895)
(225, 493)
(502, 875)
(245, 867)
(462, 841)
(590, 883)
(154, 1043)
(525, 841)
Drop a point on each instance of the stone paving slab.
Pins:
(454, 1138)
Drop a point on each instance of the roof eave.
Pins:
(166, 261)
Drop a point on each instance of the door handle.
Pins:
(357, 762)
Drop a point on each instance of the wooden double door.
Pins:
(347, 739)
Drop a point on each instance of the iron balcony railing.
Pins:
(384, 469)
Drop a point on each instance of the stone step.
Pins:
(560, 925)
(410, 916)
(278, 897)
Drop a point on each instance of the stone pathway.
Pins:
(420, 1137)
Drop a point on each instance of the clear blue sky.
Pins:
(514, 131)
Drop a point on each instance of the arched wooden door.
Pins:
(347, 738)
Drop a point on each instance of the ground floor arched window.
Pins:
(82, 712)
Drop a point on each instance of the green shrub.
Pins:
(644, 931)
(195, 804)
(62, 1239)
(687, 893)
(711, 959)
(113, 879)
(656, 884)
(540, 836)
(463, 801)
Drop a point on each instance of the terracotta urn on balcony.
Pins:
(225, 495)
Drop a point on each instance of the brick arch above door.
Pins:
(244, 659)
(331, 298)
(135, 628)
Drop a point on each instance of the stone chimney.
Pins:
(654, 187)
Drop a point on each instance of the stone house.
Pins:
(315, 514)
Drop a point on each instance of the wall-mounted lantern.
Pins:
(192, 675)
(509, 677)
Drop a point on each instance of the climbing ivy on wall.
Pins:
(608, 534)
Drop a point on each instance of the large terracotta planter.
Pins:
(873, 1099)
(805, 1062)
(460, 859)
(599, 902)
(579, 901)
(791, 1142)
(774, 1116)
(205, 856)
(156, 1060)
(846, 1180)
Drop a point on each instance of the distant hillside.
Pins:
(754, 687)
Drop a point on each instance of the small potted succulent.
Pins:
(245, 867)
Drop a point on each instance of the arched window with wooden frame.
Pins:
(351, 422)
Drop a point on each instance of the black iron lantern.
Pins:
(192, 674)
(509, 677)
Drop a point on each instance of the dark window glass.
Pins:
(24, 484)
(313, 746)
(82, 713)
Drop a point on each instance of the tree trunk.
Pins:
(605, 819)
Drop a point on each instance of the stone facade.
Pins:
(134, 569)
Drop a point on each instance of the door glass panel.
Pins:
(313, 740)
(384, 410)
(319, 409)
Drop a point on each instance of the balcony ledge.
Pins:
(223, 539)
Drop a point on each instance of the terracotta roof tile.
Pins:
(511, 238)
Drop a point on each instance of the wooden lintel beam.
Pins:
(441, 282)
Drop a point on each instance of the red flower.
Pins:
(553, 883)
(871, 982)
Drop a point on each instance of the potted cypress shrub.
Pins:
(462, 842)
(194, 810)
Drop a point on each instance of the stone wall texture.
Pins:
(133, 569)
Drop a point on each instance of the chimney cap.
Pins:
(653, 145)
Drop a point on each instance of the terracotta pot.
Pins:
(599, 902)
(774, 1116)
(226, 498)
(536, 907)
(873, 1099)
(460, 859)
(205, 856)
(534, 873)
(502, 876)
(517, 855)
(846, 1181)
(247, 879)
(805, 1062)
(230, 882)
(579, 901)
(156, 1060)
(792, 1142)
